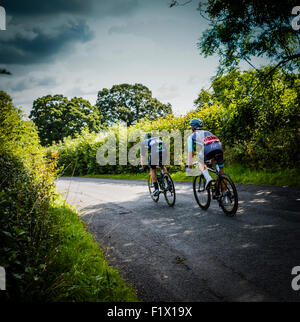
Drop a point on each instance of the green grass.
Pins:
(80, 270)
(239, 173)
(244, 175)
(129, 176)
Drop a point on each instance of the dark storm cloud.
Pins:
(33, 8)
(21, 50)
(38, 17)
(45, 7)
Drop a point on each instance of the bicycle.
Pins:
(166, 186)
(229, 203)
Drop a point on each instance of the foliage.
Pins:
(129, 103)
(240, 30)
(4, 71)
(258, 129)
(45, 250)
(79, 270)
(56, 117)
(258, 119)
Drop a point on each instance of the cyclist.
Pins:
(210, 148)
(157, 153)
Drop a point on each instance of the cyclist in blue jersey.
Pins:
(210, 147)
(157, 156)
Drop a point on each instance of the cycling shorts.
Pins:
(157, 159)
(213, 151)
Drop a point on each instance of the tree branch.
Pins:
(270, 73)
(4, 71)
(175, 3)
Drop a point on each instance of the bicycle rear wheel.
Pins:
(202, 195)
(151, 189)
(169, 190)
(229, 204)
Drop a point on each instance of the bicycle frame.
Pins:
(217, 187)
(163, 188)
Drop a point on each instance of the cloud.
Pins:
(168, 92)
(31, 8)
(26, 83)
(38, 7)
(42, 46)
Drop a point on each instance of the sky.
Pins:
(77, 48)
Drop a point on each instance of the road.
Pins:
(187, 254)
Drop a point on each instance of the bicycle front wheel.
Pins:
(151, 189)
(228, 203)
(169, 190)
(201, 194)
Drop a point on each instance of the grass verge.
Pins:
(239, 173)
(80, 270)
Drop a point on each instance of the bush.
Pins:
(45, 250)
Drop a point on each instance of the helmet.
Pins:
(147, 136)
(196, 123)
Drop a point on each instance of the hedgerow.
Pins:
(257, 124)
(47, 253)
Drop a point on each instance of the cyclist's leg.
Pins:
(152, 166)
(162, 161)
(153, 174)
(218, 155)
(152, 169)
(202, 166)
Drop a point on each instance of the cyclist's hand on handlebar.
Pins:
(141, 169)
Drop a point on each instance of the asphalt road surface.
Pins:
(188, 254)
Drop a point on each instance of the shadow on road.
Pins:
(187, 254)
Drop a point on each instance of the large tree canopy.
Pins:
(241, 29)
(129, 103)
(258, 119)
(56, 117)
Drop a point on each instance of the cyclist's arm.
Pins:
(143, 151)
(142, 161)
(190, 159)
(191, 152)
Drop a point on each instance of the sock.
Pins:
(207, 175)
(155, 185)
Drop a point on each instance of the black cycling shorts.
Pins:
(214, 151)
(157, 159)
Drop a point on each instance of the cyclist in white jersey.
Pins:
(209, 147)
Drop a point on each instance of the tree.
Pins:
(129, 103)
(240, 30)
(56, 117)
(5, 72)
(263, 123)
(16, 134)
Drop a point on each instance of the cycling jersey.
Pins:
(156, 150)
(209, 146)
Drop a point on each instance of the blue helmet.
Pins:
(147, 136)
(196, 123)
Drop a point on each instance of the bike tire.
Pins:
(200, 192)
(230, 212)
(151, 189)
(169, 193)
